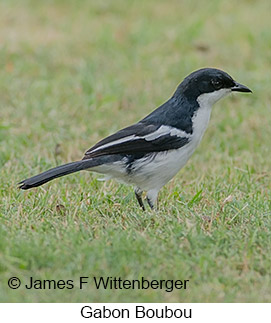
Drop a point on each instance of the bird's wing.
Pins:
(140, 138)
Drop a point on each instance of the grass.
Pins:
(75, 71)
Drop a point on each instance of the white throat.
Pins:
(208, 99)
(202, 115)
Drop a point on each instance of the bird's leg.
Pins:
(138, 194)
(152, 198)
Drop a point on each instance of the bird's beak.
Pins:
(240, 88)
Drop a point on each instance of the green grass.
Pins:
(72, 72)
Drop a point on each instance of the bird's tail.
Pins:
(57, 172)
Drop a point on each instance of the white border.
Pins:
(65, 312)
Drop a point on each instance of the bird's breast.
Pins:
(200, 122)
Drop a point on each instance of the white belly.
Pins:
(155, 170)
(166, 165)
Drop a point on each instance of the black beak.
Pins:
(240, 88)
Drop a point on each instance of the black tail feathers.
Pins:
(56, 172)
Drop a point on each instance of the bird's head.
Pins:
(208, 85)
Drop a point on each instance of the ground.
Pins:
(72, 72)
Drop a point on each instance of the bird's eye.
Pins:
(217, 84)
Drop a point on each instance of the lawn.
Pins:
(72, 72)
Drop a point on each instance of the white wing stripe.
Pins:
(115, 142)
(166, 130)
(162, 131)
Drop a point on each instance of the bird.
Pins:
(149, 153)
